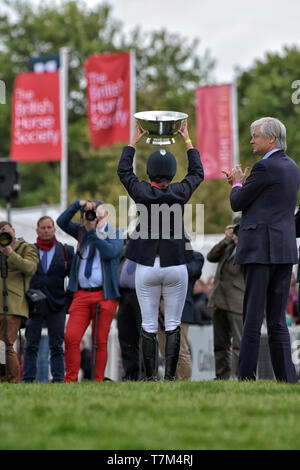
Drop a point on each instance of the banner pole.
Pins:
(132, 124)
(132, 97)
(63, 87)
(235, 130)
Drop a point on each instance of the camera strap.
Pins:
(23, 322)
(80, 235)
(90, 255)
(19, 246)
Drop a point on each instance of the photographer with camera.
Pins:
(19, 261)
(54, 265)
(226, 299)
(93, 280)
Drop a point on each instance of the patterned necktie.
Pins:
(44, 261)
(89, 262)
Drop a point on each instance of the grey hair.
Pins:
(269, 127)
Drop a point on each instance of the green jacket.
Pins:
(229, 287)
(21, 264)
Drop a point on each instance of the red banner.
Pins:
(108, 97)
(36, 133)
(214, 129)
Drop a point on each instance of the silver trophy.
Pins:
(161, 125)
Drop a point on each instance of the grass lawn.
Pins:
(224, 415)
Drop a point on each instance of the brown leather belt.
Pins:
(90, 289)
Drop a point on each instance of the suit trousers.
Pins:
(13, 369)
(82, 312)
(227, 327)
(266, 293)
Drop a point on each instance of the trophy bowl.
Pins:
(161, 125)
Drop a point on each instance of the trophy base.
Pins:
(160, 140)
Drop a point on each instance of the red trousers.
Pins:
(82, 312)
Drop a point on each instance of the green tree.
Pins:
(168, 69)
(32, 31)
(263, 90)
(266, 90)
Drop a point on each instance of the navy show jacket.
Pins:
(172, 249)
(194, 269)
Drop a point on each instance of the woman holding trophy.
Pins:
(161, 252)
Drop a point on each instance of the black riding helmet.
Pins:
(161, 165)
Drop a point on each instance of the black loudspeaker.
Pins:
(9, 178)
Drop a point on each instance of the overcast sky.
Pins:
(235, 32)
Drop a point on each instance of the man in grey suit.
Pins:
(267, 246)
(226, 299)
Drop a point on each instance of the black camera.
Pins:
(90, 215)
(5, 239)
(34, 298)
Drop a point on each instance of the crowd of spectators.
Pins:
(46, 362)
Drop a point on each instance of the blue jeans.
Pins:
(43, 360)
(55, 323)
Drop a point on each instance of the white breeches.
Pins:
(154, 282)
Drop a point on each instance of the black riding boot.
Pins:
(149, 354)
(172, 352)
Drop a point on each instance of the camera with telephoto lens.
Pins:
(5, 239)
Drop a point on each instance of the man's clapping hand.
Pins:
(236, 175)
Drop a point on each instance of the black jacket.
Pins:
(154, 234)
(297, 224)
(194, 269)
